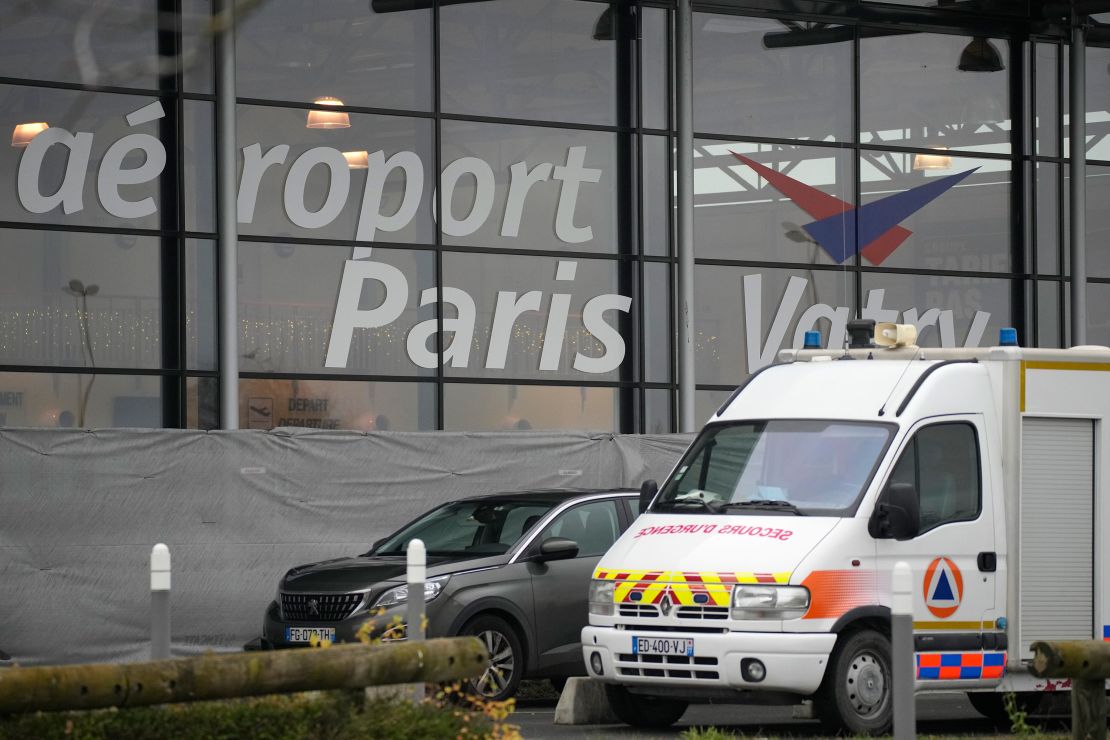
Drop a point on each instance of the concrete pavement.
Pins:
(948, 713)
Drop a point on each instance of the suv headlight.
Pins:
(602, 598)
(400, 594)
(769, 602)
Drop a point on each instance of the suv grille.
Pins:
(319, 607)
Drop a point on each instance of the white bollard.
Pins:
(417, 561)
(902, 651)
(160, 602)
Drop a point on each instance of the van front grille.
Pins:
(668, 666)
(702, 612)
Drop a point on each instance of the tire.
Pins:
(506, 668)
(855, 695)
(656, 712)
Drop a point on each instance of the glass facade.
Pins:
(460, 216)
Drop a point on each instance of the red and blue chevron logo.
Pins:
(842, 229)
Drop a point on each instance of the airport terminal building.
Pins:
(467, 214)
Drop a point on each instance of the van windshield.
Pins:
(778, 466)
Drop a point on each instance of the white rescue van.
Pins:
(761, 569)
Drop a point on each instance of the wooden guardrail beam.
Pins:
(231, 675)
(1087, 664)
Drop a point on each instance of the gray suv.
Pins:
(512, 568)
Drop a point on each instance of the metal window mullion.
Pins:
(437, 204)
(857, 176)
(1020, 150)
(226, 215)
(1078, 148)
(685, 230)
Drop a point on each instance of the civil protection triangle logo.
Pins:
(943, 588)
(841, 229)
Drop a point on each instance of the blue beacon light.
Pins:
(1007, 337)
(813, 340)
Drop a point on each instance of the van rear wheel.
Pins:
(644, 711)
(855, 695)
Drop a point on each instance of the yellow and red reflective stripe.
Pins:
(683, 585)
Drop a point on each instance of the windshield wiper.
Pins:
(775, 505)
(712, 507)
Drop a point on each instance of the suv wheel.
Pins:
(855, 695)
(644, 711)
(506, 665)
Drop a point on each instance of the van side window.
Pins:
(942, 462)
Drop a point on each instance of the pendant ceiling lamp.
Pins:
(939, 161)
(325, 118)
(980, 56)
(357, 160)
(24, 132)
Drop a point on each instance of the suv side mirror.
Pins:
(557, 548)
(897, 514)
(647, 494)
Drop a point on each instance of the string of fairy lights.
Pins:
(132, 338)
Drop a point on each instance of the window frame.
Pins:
(911, 443)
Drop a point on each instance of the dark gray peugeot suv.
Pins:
(512, 568)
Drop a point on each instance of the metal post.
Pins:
(159, 602)
(901, 648)
(684, 115)
(417, 559)
(1078, 124)
(227, 219)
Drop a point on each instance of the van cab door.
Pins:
(953, 554)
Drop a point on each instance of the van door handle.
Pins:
(987, 562)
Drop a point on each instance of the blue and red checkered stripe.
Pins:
(960, 666)
(1106, 632)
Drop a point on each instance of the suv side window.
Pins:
(942, 463)
(594, 526)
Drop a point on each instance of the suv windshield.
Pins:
(469, 528)
(780, 466)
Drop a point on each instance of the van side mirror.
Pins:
(557, 548)
(647, 494)
(897, 514)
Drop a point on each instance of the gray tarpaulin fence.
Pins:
(80, 511)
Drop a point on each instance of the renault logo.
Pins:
(666, 606)
(314, 607)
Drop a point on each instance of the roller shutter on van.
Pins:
(1056, 577)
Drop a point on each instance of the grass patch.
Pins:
(317, 716)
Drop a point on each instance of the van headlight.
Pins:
(769, 602)
(400, 594)
(602, 599)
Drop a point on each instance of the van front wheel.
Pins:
(644, 711)
(855, 695)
